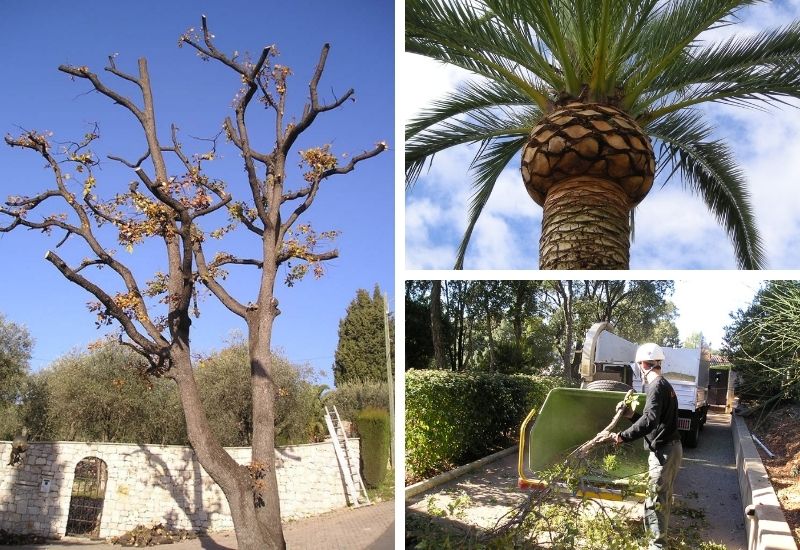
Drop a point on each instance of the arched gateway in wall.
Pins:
(86, 501)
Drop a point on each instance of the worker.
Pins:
(658, 426)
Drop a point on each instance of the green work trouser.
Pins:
(664, 464)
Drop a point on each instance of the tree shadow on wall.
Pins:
(185, 485)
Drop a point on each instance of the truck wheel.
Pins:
(607, 385)
(691, 437)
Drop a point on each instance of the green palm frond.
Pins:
(467, 97)
(707, 167)
(648, 57)
(662, 43)
(467, 37)
(743, 70)
(481, 126)
(492, 158)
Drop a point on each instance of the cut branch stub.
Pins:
(587, 139)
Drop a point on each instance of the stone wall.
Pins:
(764, 520)
(150, 484)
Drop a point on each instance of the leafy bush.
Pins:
(223, 380)
(373, 427)
(452, 418)
(352, 397)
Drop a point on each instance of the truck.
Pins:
(607, 363)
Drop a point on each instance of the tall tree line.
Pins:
(527, 326)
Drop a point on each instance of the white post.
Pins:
(389, 376)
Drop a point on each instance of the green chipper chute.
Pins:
(568, 418)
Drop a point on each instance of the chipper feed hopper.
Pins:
(568, 418)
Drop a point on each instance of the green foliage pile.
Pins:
(352, 397)
(453, 418)
(361, 353)
(374, 431)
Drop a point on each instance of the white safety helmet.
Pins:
(649, 352)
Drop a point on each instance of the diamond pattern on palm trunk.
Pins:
(587, 139)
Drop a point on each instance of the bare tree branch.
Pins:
(207, 278)
(109, 303)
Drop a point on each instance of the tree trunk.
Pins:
(233, 479)
(436, 326)
(585, 225)
(268, 506)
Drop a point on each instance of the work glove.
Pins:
(627, 411)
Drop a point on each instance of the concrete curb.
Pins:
(764, 520)
(422, 486)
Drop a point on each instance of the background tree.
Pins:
(437, 329)
(419, 339)
(224, 382)
(589, 92)
(763, 344)
(103, 394)
(361, 352)
(694, 340)
(16, 346)
(166, 204)
(534, 326)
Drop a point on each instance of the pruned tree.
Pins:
(167, 206)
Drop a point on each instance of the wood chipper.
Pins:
(568, 418)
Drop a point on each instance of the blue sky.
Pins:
(37, 36)
(674, 229)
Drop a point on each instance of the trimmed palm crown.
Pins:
(598, 95)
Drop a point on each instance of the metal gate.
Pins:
(86, 502)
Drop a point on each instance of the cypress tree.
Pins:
(361, 353)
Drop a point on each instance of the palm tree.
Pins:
(599, 96)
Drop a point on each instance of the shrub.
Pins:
(352, 397)
(453, 418)
(373, 427)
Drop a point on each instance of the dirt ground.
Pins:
(780, 432)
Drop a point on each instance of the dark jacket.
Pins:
(658, 421)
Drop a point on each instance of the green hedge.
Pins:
(453, 418)
(352, 397)
(373, 428)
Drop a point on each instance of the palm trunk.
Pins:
(585, 225)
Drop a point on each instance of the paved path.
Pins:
(707, 482)
(369, 527)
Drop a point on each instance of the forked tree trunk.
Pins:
(585, 225)
(252, 533)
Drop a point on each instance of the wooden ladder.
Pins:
(356, 491)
